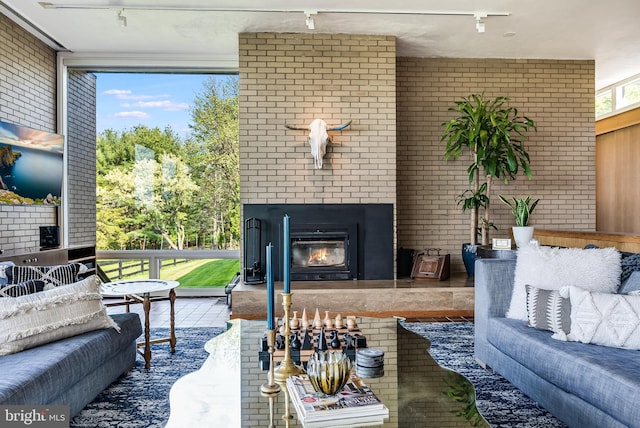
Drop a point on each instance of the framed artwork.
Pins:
(31, 166)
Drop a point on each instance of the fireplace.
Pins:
(329, 242)
(320, 252)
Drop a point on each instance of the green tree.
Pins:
(213, 155)
(134, 185)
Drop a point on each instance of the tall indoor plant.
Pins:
(494, 133)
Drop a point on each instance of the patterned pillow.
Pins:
(53, 275)
(548, 310)
(61, 312)
(22, 289)
(604, 318)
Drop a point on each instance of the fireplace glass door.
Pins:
(318, 253)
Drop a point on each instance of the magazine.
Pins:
(354, 400)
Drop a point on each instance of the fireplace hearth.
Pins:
(329, 242)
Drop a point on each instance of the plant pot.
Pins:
(522, 235)
(469, 257)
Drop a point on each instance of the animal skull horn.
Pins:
(319, 138)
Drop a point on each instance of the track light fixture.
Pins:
(122, 19)
(480, 25)
(309, 21)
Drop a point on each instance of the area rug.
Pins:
(501, 404)
(140, 399)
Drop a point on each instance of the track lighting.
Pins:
(122, 19)
(309, 21)
(480, 26)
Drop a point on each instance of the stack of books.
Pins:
(354, 405)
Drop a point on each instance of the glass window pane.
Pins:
(603, 103)
(630, 94)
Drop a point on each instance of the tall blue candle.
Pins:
(287, 256)
(270, 290)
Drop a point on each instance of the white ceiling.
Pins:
(607, 31)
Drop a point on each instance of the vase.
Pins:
(522, 235)
(469, 256)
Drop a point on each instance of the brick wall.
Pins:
(27, 98)
(81, 142)
(295, 78)
(557, 95)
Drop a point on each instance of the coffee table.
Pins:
(225, 391)
(139, 292)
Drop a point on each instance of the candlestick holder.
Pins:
(271, 387)
(286, 367)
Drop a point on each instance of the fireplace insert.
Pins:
(327, 241)
(321, 254)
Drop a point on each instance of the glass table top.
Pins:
(417, 391)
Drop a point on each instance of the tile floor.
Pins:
(189, 312)
(211, 312)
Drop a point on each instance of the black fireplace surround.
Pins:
(328, 241)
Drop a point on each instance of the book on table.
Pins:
(355, 404)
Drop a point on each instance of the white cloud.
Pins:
(127, 94)
(132, 114)
(117, 92)
(165, 105)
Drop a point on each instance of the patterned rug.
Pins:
(140, 398)
(501, 404)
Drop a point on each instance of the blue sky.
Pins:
(125, 100)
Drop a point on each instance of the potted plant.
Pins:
(521, 208)
(494, 134)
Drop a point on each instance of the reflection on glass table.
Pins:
(226, 390)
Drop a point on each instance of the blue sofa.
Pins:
(71, 371)
(583, 385)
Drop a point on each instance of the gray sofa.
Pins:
(71, 371)
(583, 385)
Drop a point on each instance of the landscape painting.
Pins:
(31, 166)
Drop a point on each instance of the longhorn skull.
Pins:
(319, 138)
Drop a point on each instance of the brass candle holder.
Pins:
(271, 387)
(286, 367)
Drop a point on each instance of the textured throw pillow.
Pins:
(22, 289)
(52, 275)
(604, 318)
(551, 268)
(548, 310)
(35, 319)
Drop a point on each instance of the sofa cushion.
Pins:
(551, 268)
(548, 310)
(40, 374)
(603, 318)
(605, 377)
(54, 275)
(22, 289)
(65, 311)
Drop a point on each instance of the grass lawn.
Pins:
(197, 273)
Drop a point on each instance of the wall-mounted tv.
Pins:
(31, 165)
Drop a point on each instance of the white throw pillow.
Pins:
(603, 318)
(550, 268)
(35, 319)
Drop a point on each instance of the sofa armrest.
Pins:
(493, 287)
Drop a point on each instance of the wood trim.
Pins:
(618, 121)
(578, 239)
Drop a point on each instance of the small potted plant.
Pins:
(521, 208)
